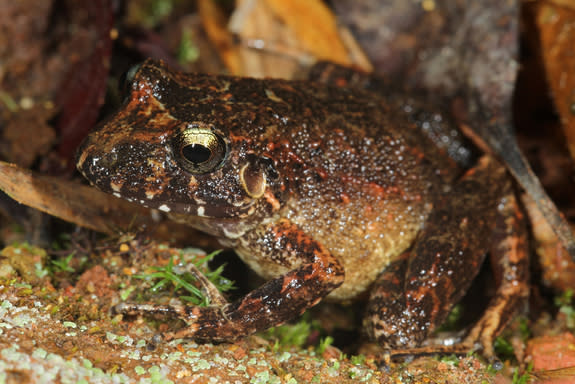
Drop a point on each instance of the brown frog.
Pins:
(326, 191)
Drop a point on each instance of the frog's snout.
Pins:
(83, 161)
(93, 166)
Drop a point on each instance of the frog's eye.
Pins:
(200, 150)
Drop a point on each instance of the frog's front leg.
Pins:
(417, 291)
(273, 303)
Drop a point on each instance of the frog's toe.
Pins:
(131, 309)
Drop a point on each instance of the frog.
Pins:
(329, 191)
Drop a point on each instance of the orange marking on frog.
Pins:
(227, 96)
(322, 173)
(344, 197)
(239, 139)
(375, 227)
(377, 190)
(294, 157)
(271, 199)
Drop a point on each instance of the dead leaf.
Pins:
(84, 85)
(272, 38)
(26, 134)
(215, 24)
(70, 201)
(90, 208)
(314, 26)
(553, 358)
(257, 26)
(556, 24)
(557, 268)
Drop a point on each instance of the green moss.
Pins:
(289, 335)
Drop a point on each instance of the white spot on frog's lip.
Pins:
(116, 187)
(239, 203)
(273, 97)
(150, 195)
(200, 211)
(232, 234)
(164, 208)
(117, 195)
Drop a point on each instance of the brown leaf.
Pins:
(557, 268)
(88, 207)
(255, 23)
(314, 26)
(215, 24)
(556, 24)
(276, 36)
(84, 86)
(70, 201)
(550, 353)
(26, 135)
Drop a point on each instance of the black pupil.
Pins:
(195, 153)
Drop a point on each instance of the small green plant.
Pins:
(525, 378)
(188, 51)
(357, 359)
(450, 359)
(565, 299)
(150, 13)
(452, 321)
(290, 335)
(63, 264)
(179, 278)
(323, 344)
(503, 348)
(565, 304)
(524, 329)
(493, 369)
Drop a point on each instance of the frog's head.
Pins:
(173, 146)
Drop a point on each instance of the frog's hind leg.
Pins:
(416, 293)
(510, 264)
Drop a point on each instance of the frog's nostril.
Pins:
(102, 162)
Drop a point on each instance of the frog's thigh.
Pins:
(273, 303)
(416, 293)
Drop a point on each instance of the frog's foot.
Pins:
(428, 350)
(459, 349)
(272, 304)
(194, 316)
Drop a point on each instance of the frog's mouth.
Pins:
(213, 210)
